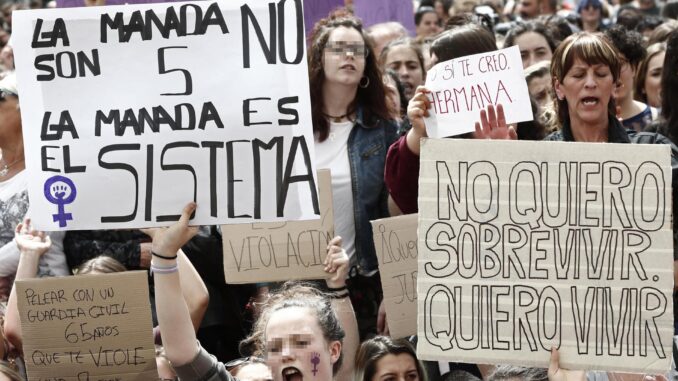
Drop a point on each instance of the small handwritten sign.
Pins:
(525, 246)
(461, 87)
(271, 252)
(87, 327)
(395, 240)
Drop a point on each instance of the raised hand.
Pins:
(493, 125)
(167, 241)
(336, 264)
(556, 373)
(30, 241)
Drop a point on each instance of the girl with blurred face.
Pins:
(649, 76)
(404, 57)
(384, 359)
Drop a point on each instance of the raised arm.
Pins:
(193, 289)
(32, 245)
(178, 335)
(337, 265)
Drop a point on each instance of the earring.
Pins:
(367, 82)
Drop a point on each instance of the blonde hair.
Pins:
(102, 264)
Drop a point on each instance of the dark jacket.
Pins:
(367, 146)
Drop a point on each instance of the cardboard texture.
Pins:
(207, 99)
(528, 245)
(395, 240)
(272, 252)
(87, 327)
(461, 87)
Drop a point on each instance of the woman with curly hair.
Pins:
(353, 129)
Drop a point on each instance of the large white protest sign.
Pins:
(89, 327)
(395, 240)
(129, 112)
(524, 246)
(461, 87)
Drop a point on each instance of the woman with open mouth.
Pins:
(302, 333)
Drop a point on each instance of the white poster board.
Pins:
(129, 112)
(461, 87)
(524, 246)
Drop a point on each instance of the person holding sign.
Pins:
(402, 162)
(353, 129)
(14, 193)
(300, 330)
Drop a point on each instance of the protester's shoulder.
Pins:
(555, 136)
(647, 137)
(204, 367)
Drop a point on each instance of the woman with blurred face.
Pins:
(534, 40)
(649, 76)
(405, 58)
(635, 115)
(353, 127)
(382, 358)
(300, 332)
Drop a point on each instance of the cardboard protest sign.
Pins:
(395, 240)
(524, 246)
(460, 88)
(378, 11)
(272, 252)
(87, 327)
(129, 112)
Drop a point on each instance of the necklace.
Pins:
(5, 169)
(335, 119)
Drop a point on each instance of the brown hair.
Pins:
(408, 42)
(102, 264)
(463, 41)
(591, 48)
(372, 97)
(298, 294)
(641, 73)
(374, 349)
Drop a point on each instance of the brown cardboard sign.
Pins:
(87, 327)
(525, 246)
(272, 252)
(395, 240)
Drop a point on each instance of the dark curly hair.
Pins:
(628, 42)
(371, 98)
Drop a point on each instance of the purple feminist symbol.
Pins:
(315, 360)
(60, 190)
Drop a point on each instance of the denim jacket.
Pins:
(367, 147)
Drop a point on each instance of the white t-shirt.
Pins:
(13, 208)
(332, 154)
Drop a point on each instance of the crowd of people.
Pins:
(596, 72)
